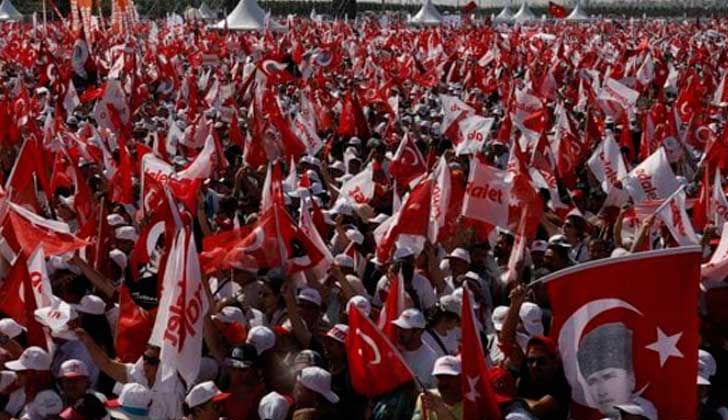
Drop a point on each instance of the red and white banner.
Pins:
(183, 307)
(114, 100)
(607, 163)
(615, 99)
(453, 109)
(360, 188)
(306, 131)
(474, 132)
(653, 179)
(675, 217)
(488, 194)
(716, 269)
(622, 343)
(407, 164)
(441, 191)
(204, 164)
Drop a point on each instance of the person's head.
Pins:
(459, 260)
(133, 403)
(598, 249)
(243, 277)
(538, 249)
(574, 228)
(125, 238)
(32, 364)
(447, 371)
(334, 343)
(204, 401)
(531, 316)
(542, 360)
(447, 313)
(150, 363)
(410, 326)
(274, 406)
(479, 256)
(73, 380)
(556, 257)
(262, 338)
(231, 323)
(313, 388)
(309, 306)
(270, 293)
(242, 367)
(503, 245)
(605, 361)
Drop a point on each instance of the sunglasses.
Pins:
(152, 361)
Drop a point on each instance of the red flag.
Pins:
(121, 182)
(470, 7)
(607, 317)
(393, 306)
(352, 121)
(557, 10)
(17, 301)
(135, 328)
(26, 231)
(236, 136)
(371, 355)
(702, 204)
(478, 399)
(408, 162)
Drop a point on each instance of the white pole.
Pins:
(45, 21)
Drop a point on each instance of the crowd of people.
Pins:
(313, 171)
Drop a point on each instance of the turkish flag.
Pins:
(557, 10)
(622, 342)
(18, 301)
(25, 231)
(393, 306)
(478, 399)
(408, 163)
(375, 365)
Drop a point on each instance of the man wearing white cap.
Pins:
(204, 401)
(73, 380)
(445, 401)
(707, 409)
(419, 356)
(274, 406)
(313, 392)
(47, 404)
(418, 286)
(133, 403)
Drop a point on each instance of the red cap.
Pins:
(503, 384)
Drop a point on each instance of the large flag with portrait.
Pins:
(627, 331)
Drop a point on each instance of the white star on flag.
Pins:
(473, 393)
(666, 346)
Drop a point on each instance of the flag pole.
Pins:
(45, 18)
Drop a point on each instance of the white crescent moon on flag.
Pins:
(412, 161)
(569, 337)
(377, 355)
(153, 237)
(257, 234)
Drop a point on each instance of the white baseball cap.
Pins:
(126, 233)
(338, 332)
(91, 304)
(461, 254)
(499, 317)
(310, 294)
(133, 403)
(532, 318)
(451, 303)
(360, 302)
(33, 358)
(318, 380)
(356, 284)
(46, 403)
(115, 220)
(539, 245)
(447, 365)
(262, 338)
(9, 327)
(343, 260)
(410, 319)
(706, 367)
(402, 252)
(230, 315)
(639, 407)
(355, 236)
(204, 392)
(119, 258)
(73, 368)
(274, 406)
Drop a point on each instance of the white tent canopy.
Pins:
(578, 13)
(8, 12)
(428, 15)
(505, 14)
(247, 16)
(524, 13)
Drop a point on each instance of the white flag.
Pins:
(474, 131)
(113, 96)
(675, 217)
(441, 190)
(487, 194)
(39, 278)
(203, 165)
(718, 202)
(71, 100)
(607, 163)
(717, 268)
(653, 179)
(307, 133)
(360, 188)
(615, 98)
(182, 309)
(453, 108)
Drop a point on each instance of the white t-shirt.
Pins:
(421, 361)
(451, 341)
(165, 404)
